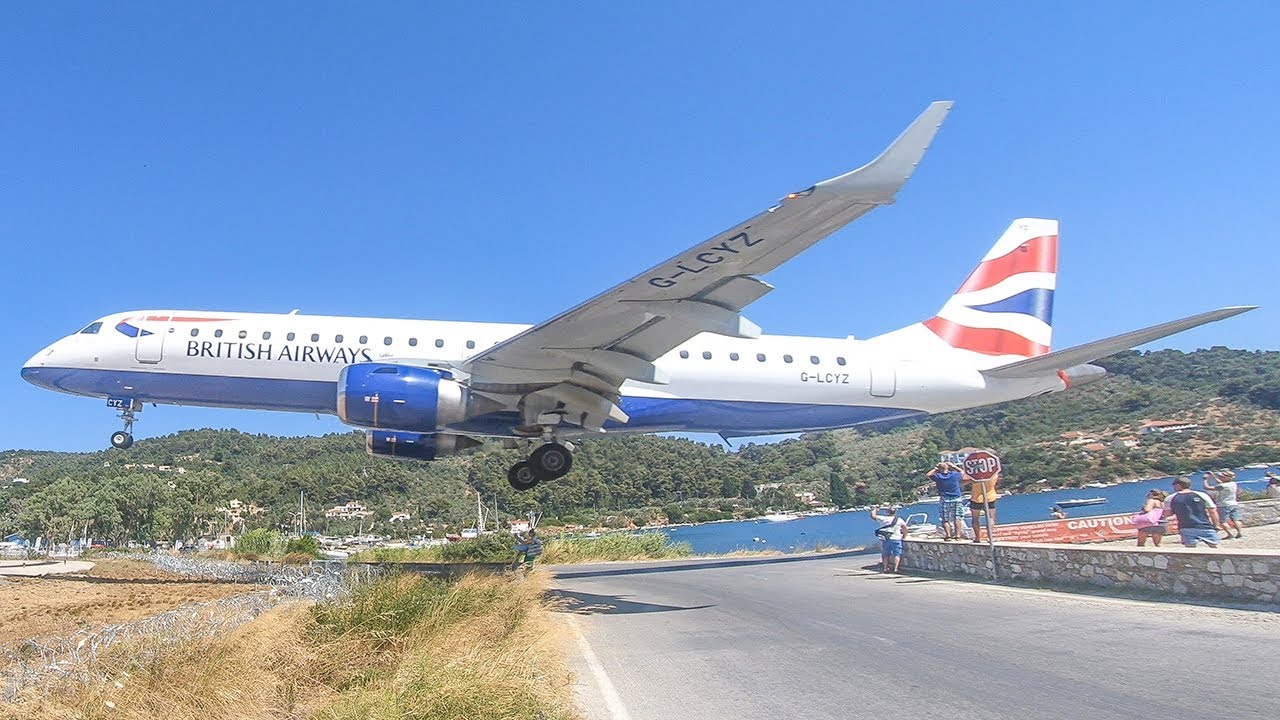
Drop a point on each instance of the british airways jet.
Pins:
(667, 350)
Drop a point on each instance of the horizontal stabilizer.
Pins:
(1063, 359)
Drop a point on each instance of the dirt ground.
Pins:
(114, 591)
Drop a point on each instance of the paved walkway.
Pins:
(40, 568)
(1258, 537)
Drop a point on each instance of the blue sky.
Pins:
(506, 161)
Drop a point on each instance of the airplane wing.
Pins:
(1063, 359)
(569, 368)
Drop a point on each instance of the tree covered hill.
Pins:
(172, 487)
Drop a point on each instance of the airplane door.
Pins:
(884, 379)
(151, 344)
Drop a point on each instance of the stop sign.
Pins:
(981, 465)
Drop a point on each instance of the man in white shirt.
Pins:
(1228, 493)
(892, 531)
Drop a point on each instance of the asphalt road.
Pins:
(824, 637)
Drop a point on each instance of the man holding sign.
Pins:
(982, 472)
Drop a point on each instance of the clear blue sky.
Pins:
(505, 161)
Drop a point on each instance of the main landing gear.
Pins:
(549, 462)
(123, 439)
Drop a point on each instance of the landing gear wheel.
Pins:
(551, 461)
(522, 477)
(122, 440)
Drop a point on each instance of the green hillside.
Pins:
(171, 487)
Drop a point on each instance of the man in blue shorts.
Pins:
(892, 531)
(1197, 514)
(950, 499)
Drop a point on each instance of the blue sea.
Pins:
(855, 529)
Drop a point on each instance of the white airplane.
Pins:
(667, 350)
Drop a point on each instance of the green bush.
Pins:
(306, 544)
(259, 542)
(618, 546)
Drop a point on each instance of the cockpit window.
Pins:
(92, 329)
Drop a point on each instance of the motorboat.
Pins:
(918, 524)
(1080, 502)
(780, 517)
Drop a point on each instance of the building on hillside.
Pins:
(1127, 443)
(354, 509)
(400, 517)
(767, 486)
(1164, 426)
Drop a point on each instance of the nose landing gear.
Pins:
(549, 461)
(123, 439)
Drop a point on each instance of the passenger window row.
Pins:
(761, 357)
(315, 337)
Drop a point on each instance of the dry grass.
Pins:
(114, 591)
(403, 647)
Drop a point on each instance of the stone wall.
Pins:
(1242, 577)
(1260, 512)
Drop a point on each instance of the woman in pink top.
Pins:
(1151, 521)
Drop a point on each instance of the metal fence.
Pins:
(86, 656)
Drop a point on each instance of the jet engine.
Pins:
(418, 446)
(400, 397)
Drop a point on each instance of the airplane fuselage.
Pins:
(739, 387)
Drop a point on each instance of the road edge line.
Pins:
(608, 692)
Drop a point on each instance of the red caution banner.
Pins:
(1101, 528)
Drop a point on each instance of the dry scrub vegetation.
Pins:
(401, 647)
(114, 591)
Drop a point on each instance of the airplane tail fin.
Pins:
(1003, 312)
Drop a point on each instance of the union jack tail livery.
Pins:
(1003, 312)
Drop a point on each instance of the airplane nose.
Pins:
(32, 369)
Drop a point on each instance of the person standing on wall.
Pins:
(982, 494)
(947, 478)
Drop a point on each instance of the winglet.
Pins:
(1063, 359)
(879, 180)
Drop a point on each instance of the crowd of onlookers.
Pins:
(1202, 517)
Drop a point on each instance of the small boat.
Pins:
(918, 524)
(931, 499)
(781, 517)
(1256, 466)
(1080, 502)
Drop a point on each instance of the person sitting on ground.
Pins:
(892, 531)
(1228, 500)
(1058, 513)
(528, 550)
(1152, 521)
(947, 478)
(1197, 514)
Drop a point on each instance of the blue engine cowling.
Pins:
(399, 397)
(418, 446)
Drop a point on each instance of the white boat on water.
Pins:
(781, 517)
(918, 524)
(1256, 466)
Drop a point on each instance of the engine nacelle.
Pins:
(418, 446)
(399, 397)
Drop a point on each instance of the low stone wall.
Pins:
(1260, 512)
(1241, 577)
